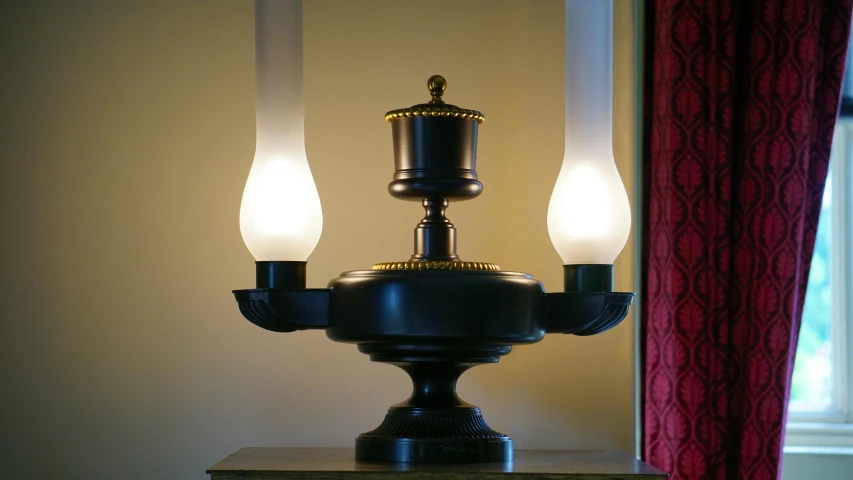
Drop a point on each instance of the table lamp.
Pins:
(434, 314)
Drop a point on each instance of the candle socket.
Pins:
(588, 278)
(280, 275)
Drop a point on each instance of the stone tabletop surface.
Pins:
(328, 463)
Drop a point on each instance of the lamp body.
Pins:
(280, 217)
(434, 315)
(434, 324)
(589, 217)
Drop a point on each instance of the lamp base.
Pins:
(411, 435)
(434, 425)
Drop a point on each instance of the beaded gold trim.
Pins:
(437, 265)
(435, 111)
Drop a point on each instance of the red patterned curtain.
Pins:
(741, 100)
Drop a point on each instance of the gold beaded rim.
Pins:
(438, 110)
(437, 265)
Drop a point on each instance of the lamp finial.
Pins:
(436, 85)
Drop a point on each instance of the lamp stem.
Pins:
(435, 236)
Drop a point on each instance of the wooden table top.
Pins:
(336, 463)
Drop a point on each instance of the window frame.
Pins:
(831, 431)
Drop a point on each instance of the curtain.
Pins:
(741, 98)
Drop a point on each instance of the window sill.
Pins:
(819, 438)
(795, 450)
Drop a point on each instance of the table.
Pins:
(271, 463)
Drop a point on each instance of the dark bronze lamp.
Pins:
(434, 315)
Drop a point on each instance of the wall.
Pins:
(126, 138)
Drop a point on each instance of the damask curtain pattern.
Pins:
(741, 98)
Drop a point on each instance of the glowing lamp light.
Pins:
(589, 217)
(280, 217)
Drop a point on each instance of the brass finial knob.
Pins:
(436, 85)
(436, 107)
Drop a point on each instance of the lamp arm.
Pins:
(285, 310)
(584, 314)
(281, 303)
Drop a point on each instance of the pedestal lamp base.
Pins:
(434, 425)
(438, 436)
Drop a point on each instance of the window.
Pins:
(820, 413)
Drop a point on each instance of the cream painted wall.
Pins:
(126, 134)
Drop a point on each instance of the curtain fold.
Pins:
(741, 99)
